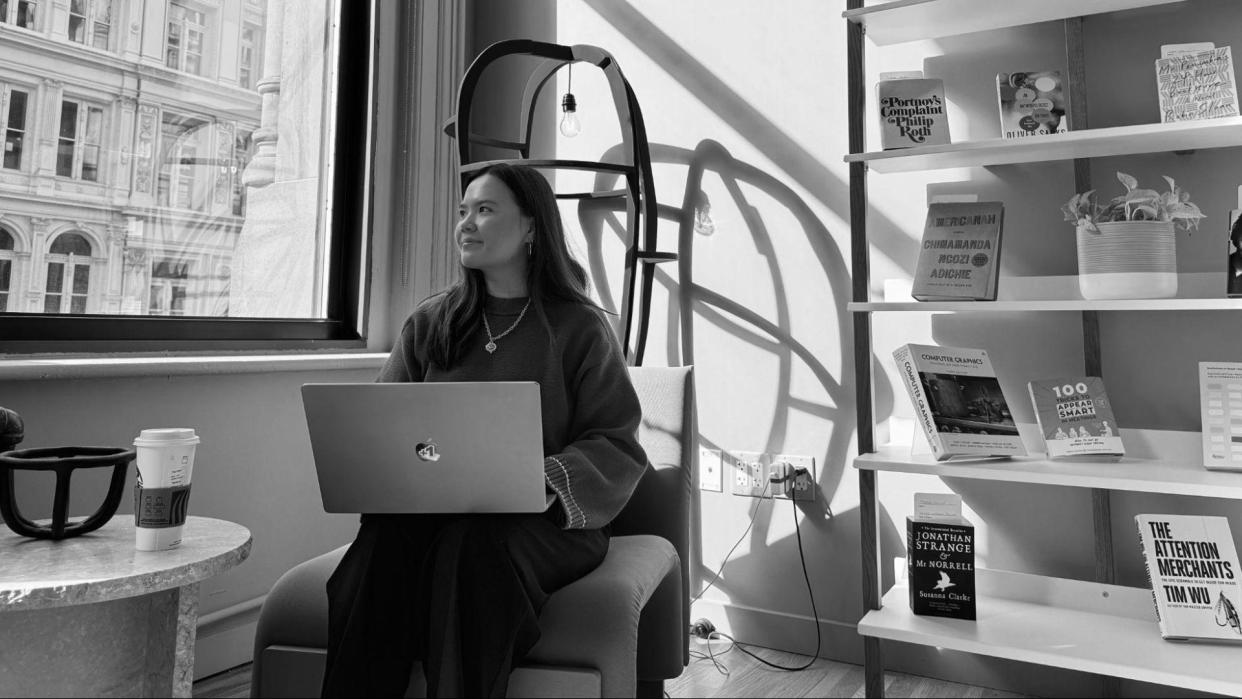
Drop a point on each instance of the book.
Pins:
(960, 252)
(912, 112)
(1192, 568)
(1076, 419)
(1196, 85)
(958, 401)
(1233, 279)
(1220, 412)
(940, 556)
(1031, 103)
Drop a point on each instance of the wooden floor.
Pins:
(746, 677)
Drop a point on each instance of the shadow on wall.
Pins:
(769, 332)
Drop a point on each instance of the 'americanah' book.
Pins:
(959, 257)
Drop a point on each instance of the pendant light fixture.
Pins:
(570, 126)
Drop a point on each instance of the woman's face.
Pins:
(491, 230)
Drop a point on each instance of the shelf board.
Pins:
(1156, 461)
(1090, 143)
(1091, 627)
(911, 20)
(1198, 291)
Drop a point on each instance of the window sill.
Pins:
(111, 367)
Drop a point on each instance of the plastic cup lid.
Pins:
(166, 435)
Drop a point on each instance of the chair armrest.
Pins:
(594, 621)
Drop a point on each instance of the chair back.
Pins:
(669, 433)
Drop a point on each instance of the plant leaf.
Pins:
(1127, 180)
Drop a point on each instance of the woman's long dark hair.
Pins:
(551, 272)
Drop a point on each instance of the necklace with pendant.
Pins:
(491, 339)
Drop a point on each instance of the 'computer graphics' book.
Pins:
(1076, 419)
(1192, 565)
(958, 401)
(959, 259)
(1032, 103)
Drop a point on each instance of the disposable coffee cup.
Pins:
(165, 459)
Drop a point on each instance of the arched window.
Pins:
(6, 267)
(68, 274)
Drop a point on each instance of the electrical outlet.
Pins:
(802, 484)
(711, 470)
(750, 472)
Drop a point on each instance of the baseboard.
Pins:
(840, 641)
(226, 638)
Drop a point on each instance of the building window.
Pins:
(77, 149)
(15, 128)
(185, 166)
(250, 62)
(68, 274)
(186, 29)
(90, 22)
(6, 268)
(243, 148)
(21, 13)
(169, 284)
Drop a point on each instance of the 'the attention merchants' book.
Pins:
(1031, 104)
(958, 401)
(940, 550)
(1076, 419)
(960, 255)
(1192, 566)
(912, 112)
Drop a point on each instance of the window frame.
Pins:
(347, 180)
(79, 143)
(6, 111)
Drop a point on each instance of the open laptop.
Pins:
(427, 447)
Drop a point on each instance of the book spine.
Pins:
(914, 386)
(1155, 601)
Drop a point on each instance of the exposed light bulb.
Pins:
(570, 126)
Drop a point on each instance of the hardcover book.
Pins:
(912, 112)
(940, 554)
(1220, 409)
(1196, 85)
(958, 402)
(1076, 419)
(1233, 279)
(960, 252)
(1192, 567)
(1031, 104)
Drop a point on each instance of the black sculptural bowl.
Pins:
(63, 461)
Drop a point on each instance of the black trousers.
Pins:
(461, 593)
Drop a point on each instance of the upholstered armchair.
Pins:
(621, 631)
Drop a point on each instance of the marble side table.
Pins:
(91, 616)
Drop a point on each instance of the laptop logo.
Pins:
(427, 451)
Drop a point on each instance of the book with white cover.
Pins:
(1192, 566)
(1220, 406)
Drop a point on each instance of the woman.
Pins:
(462, 593)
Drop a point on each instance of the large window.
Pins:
(90, 22)
(19, 12)
(187, 27)
(77, 149)
(68, 275)
(14, 118)
(6, 268)
(201, 229)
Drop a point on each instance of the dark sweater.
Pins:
(590, 411)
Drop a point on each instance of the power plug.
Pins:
(702, 628)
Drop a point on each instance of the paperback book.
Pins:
(1195, 85)
(912, 112)
(940, 555)
(1233, 279)
(1076, 419)
(1031, 104)
(1192, 567)
(1220, 410)
(958, 401)
(960, 252)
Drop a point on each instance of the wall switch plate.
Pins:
(748, 472)
(802, 487)
(711, 470)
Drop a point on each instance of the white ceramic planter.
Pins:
(1128, 260)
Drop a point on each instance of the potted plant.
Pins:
(1127, 249)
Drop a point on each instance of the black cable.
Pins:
(814, 612)
(740, 539)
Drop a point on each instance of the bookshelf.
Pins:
(1093, 626)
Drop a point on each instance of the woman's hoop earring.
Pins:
(529, 248)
